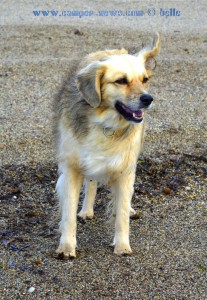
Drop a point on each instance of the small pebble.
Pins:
(187, 188)
(38, 261)
(78, 32)
(166, 191)
(31, 289)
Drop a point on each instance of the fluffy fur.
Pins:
(98, 127)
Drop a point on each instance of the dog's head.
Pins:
(117, 83)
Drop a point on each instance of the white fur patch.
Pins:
(99, 160)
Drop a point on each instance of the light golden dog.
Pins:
(99, 126)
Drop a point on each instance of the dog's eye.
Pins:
(122, 81)
(145, 79)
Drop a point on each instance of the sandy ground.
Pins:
(169, 235)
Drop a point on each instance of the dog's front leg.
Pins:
(123, 191)
(68, 189)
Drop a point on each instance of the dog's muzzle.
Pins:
(134, 113)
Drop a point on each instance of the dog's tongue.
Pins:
(134, 113)
(137, 113)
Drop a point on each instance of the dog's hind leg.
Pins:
(68, 190)
(89, 199)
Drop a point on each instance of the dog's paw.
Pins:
(86, 214)
(132, 212)
(122, 249)
(65, 251)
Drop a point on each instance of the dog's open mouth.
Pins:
(129, 114)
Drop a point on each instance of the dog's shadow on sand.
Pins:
(29, 209)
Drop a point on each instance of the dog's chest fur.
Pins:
(101, 157)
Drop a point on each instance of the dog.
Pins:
(99, 129)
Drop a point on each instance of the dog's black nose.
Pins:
(146, 99)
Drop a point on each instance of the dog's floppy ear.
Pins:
(89, 83)
(149, 53)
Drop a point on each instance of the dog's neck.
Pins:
(110, 132)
